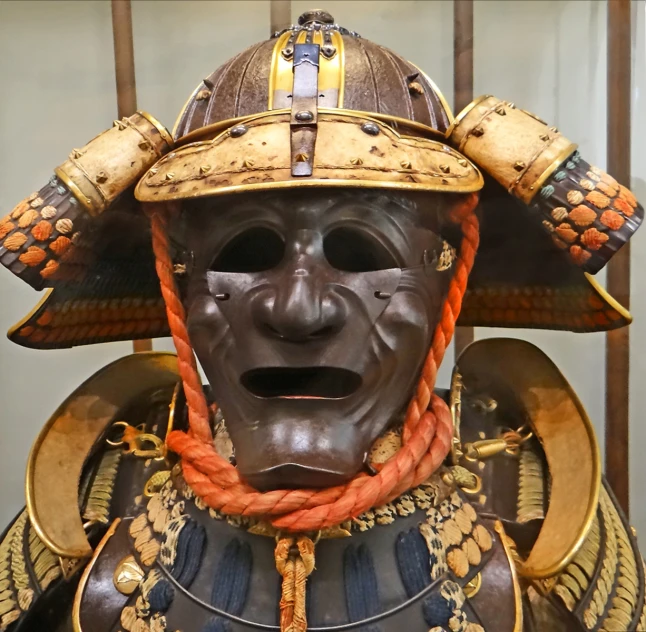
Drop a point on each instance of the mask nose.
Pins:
(301, 305)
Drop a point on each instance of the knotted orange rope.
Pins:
(426, 437)
(294, 558)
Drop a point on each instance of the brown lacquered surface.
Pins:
(374, 79)
(618, 283)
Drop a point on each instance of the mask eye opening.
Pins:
(355, 250)
(255, 249)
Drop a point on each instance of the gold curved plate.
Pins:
(561, 424)
(63, 446)
(78, 597)
(518, 597)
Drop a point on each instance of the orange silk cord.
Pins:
(426, 437)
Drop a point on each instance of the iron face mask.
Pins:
(311, 314)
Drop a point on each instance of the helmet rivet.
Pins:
(101, 177)
(205, 169)
(247, 163)
(462, 162)
(372, 129)
(238, 130)
(170, 175)
(304, 116)
(445, 168)
(406, 164)
(356, 161)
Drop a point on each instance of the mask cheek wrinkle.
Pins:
(207, 326)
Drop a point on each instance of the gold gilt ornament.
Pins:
(127, 575)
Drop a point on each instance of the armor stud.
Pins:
(415, 88)
(247, 163)
(238, 130)
(101, 177)
(519, 165)
(205, 169)
(477, 132)
(372, 129)
(356, 161)
(445, 168)
(406, 164)
(304, 117)
(127, 575)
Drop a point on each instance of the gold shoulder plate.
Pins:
(559, 421)
(65, 443)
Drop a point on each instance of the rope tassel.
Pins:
(295, 562)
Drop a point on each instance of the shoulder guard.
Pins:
(526, 435)
(40, 234)
(585, 211)
(75, 475)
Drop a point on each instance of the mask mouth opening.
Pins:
(301, 383)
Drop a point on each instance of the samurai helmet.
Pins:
(319, 106)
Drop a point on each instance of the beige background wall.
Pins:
(57, 78)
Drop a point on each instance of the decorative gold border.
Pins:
(440, 94)
(323, 183)
(14, 329)
(536, 187)
(82, 199)
(610, 300)
(460, 116)
(165, 134)
(518, 597)
(340, 47)
(78, 597)
(183, 110)
(209, 132)
(276, 59)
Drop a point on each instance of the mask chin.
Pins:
(299, 452)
